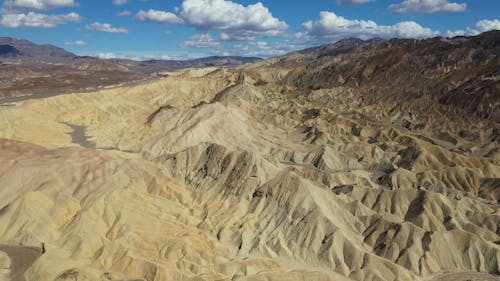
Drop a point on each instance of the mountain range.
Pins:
(25, 65)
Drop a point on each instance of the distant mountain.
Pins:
(30, 49)
(29, 68)
(461, 73)
(204, 62)
(9, 51)
(11, 47)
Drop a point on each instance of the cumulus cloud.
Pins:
(141, 56)
(158, 17)
(204, 40)
(487, 25)
(453, 33)
(235, 21)
(106, 27)
(10, 5)
(119, 2)
(75, 43)
(264, 49)
(231, 17)
(352, 2)
(330, 26)
(106, 55)
(428, 6)
(233, 36)
(32, 19)
(252, 48)
(480, 27)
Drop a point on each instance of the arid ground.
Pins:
(362, 160)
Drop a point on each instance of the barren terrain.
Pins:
(300, 167)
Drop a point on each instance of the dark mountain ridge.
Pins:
(462, 73)
(30, 49)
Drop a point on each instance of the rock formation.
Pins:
(327, 164)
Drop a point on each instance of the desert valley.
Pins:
(235, 140)
(359, 160)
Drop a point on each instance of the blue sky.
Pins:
(181, 29)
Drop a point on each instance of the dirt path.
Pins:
(21, 259)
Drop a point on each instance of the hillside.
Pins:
(361, 160)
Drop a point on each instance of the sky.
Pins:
(185, 29)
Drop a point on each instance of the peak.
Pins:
(31, 49)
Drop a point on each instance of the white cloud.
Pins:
(107, 55)
(428, 6)
(409, 29)
(487, 25)
(264, 49)
(255, 49)
(333, 27)
(204, 40)
(32, 19)
(480, 27)
(234, 36)
(352, 2)
(231, 17)
(158, 17)
(106, 27)
(237, 22)
(228, 15)
(76, 43)
(124, 13)
(141, 56)
(453, 33)
(252, 48)
(10, 5)
(119, 2)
